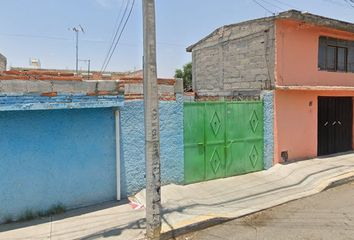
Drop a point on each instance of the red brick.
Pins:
(50, 94)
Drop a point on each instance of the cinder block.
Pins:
(107, 86)
(63, 86)
(255, 85)
(236, 85)
(227, 86)
(236, 56)
(179, 85)
(14, 86)
(261, 77)
(39, 86)
(166, 89)
(245, 85)
(133, 88)
(73, 87)
(84, 87)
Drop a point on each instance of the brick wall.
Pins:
(236, 60)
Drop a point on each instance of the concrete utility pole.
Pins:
(152, 125)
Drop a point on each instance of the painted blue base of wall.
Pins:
(133, 144)
(57, 156)
(268, 108)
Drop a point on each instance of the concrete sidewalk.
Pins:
(229, 198)
(107, 221)
(193, 205)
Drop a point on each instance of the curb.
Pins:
(338, 183)
(173, 234)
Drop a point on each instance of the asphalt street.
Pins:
(327, 215)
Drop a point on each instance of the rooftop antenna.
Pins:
(77, 30)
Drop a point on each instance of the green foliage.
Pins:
(186, 74)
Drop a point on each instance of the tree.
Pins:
(186, 74)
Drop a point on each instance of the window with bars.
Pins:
(335, 55)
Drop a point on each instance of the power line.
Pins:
(262, 6)
(87, 40)
(118, 17)
(120, 35)
(35, 36)
(117, 29)
(341, 3)
(287, 4)
(350, 3)
(48, 37)
(273, 5)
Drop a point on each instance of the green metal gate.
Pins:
(222, 139)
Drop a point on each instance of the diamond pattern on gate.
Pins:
(254, 156)
(254, 121)
(215, 161)
(215, 123)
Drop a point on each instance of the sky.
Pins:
(41, 29)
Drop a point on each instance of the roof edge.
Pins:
(290, 14)
(189, 49)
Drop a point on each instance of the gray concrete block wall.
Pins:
(38, 86)
(82, 87)
(236, 58)
(138, 88)
(3, 63)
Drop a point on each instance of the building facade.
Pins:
(304, 63)
(73, 143)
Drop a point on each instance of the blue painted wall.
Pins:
(133, 150)
(11, 102)
(268, 108)
(53, 156)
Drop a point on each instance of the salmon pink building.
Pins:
(314, 89)
(300, 64)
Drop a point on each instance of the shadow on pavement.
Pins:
(68, 214)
